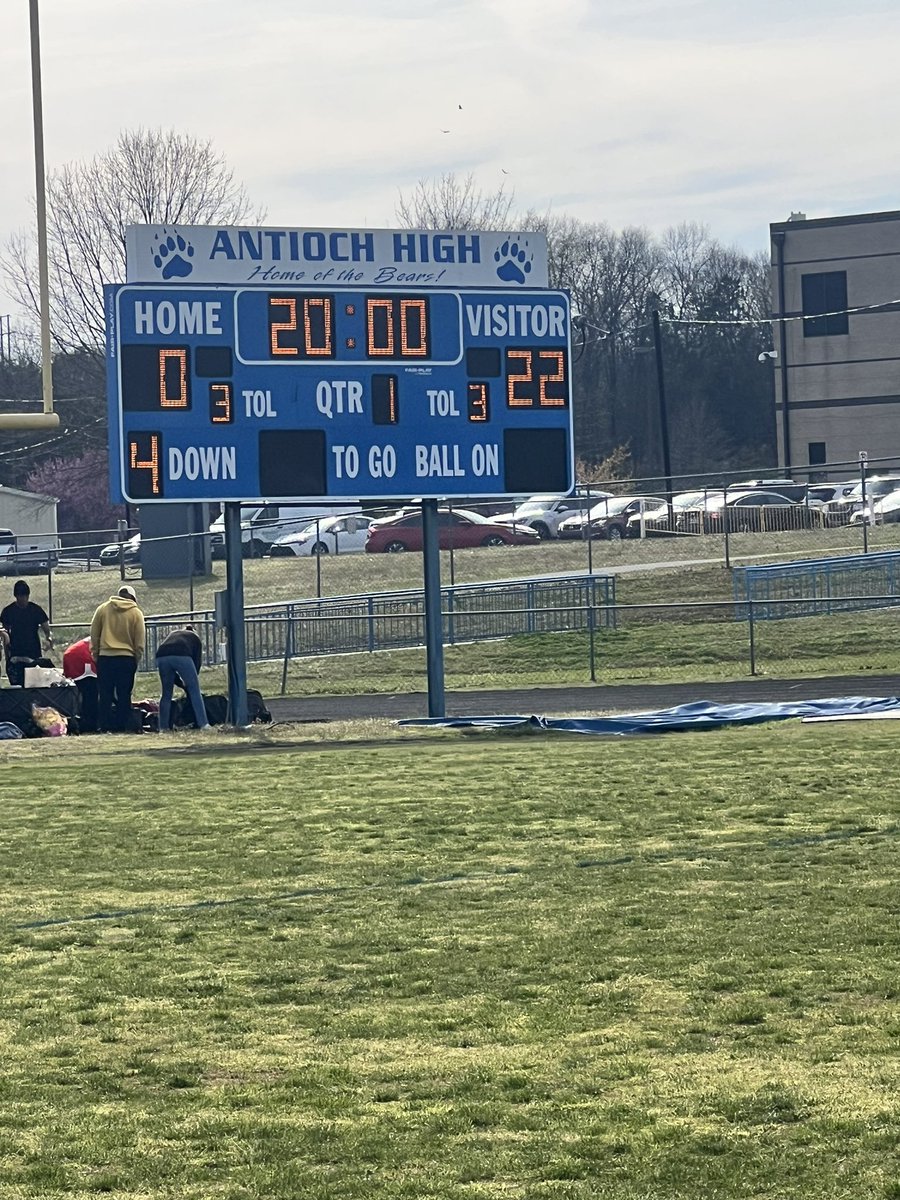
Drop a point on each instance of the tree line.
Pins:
(713, 302)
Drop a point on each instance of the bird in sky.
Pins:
(445, 131)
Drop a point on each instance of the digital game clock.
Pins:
(252, 394)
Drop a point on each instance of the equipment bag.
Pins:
(257, 712)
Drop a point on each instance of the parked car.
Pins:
(784, 487)
(839, 512)
(885, 511)
(544, 513)
(798, 493)
(130, 552)
(754, 512)
(656, 521)
(457, 528)
(608, 518)
(22, 554)
(262, 526)
(827, 493)
(330, 535)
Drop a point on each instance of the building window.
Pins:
(816, 453)
(824, 292)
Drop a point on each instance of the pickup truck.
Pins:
(19, 554)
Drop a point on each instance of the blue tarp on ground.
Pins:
(699, 715)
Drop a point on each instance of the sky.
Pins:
(728, 113)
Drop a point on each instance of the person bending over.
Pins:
(178, 659)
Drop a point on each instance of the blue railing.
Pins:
(396, 620)
(817, 587)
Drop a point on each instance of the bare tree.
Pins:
(155, 177)
(453, 203)
(686, 251)
(609, 275)
(716, 301)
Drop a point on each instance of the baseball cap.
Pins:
(127, 592)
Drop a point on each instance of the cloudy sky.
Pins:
(727, 112)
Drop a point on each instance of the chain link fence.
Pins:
(634, 585)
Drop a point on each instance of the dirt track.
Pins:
(599, 698)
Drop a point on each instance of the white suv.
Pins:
(544, 514)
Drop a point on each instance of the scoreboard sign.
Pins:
(256, 394)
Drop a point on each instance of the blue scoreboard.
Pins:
(257, 394)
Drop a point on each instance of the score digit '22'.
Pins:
(250, 394)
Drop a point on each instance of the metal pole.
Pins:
(288, 646)
(41, 208)
(752, 638)
(863, 462)
(778, 239)
(121, 535)
(663, 411)
(726, 516)
(434, 632)
(318, 562)
(591, 642)
(237, 650)
(191, 560)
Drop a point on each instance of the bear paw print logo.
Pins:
(514, 262)
(172, 254)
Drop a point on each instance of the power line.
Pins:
(884, 306)
(65, 435)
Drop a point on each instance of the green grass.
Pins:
(643, 648)
(454, 969)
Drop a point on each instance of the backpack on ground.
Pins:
(257, 713)
(217, 710)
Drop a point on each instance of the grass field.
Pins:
(642, 648)
(459, 969)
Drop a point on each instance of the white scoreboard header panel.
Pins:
(383, 258)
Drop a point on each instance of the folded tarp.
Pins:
(700, 715)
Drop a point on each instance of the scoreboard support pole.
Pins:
(434, 622)
(237, 649)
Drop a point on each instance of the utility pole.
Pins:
(663, 410)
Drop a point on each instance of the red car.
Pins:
(456, 528)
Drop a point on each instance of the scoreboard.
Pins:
(256, 394)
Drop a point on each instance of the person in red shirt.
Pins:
(79, 665)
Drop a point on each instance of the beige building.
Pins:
(837, 373)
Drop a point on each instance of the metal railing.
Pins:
(780, 591)
(396, 620)
(601, 640)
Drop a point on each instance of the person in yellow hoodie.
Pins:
(117, 643)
